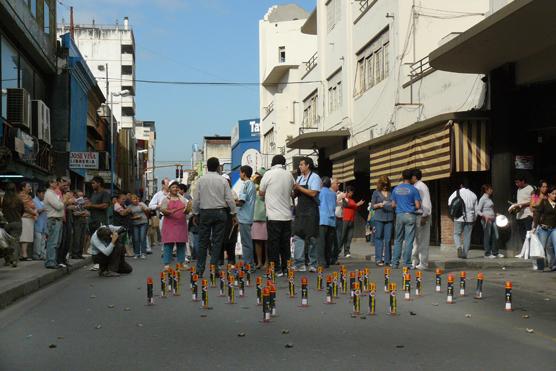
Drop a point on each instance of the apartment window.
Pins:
(32, 7)
(335, 92)
(282, 54)
(127, 111)
(10, 68)
(333, 13)
(310, 116)
(127, 70)
(372, 63)
(46, 18)
(269, 142)
(129, 88)
(127, 49)
(26, 76)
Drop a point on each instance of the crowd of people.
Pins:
(273, 213)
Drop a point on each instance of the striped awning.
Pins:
(344, 170)
(428, 151)
(470, 146)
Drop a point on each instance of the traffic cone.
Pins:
(479, 290)
(212, 275)
(329, 290)
(508, 287)
(291, 283)
(356, 299)
(407, 286)
(462, 276)
(418, 283)
(304, 292)
(150, 294)
(372, 298)
(204, 294)
(387, 279)
(319, 278)
(438, 280)
(194, 289)
(259, 286)
(393, 300)
(266, 305)
(231, 290)
(450, 297)
(163, 288)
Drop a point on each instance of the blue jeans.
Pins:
(383, 235)
(544, 235)
(490, 234)
(54, 236)
(246, 244)
(405, 231)
(299, 251)
(139, 237)
(180, 249)
(465, 228)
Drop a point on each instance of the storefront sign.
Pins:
(83, 160)
(524, 162)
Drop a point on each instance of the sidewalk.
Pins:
(29, 277)
(446, 258)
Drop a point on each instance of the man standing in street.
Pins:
(55, 213)
(154, 205)
(420, 256)
(212, 201)
(327, 229)
(276, 188)
(246, 203)
(464, 223)
(98, 205)
(406, 201)
(306, 222)
(522, 208)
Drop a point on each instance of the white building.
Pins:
(110, 54)
(282, 51)
(145, 134)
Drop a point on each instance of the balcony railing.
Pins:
(418, 70)
(27, 148)
(268, 109)
(310, 64)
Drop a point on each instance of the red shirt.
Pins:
(349, 210)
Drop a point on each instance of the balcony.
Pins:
(26, 148)
(419, 70)
(310, 64)
(268, 110)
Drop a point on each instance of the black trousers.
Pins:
(279, 234)
(115, 262)
(212, 225)
(524, 225)
(67, 240)
(79, 233)
(326, 244)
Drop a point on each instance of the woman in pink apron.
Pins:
(174, 229)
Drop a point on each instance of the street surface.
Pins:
(84, 322)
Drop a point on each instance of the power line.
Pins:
(206, 83)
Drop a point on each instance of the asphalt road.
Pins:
(81, 323)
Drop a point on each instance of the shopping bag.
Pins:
(536, 249)
(524, 254)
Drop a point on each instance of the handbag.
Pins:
(536, 249)
(524, 254)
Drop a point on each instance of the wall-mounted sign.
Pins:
(83, 160)
(253, 158)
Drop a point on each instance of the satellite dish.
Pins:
(253, 158)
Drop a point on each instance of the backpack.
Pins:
(456, 209)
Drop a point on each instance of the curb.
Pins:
(38, 281)
(455, 264)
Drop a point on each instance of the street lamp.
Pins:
(122, 93)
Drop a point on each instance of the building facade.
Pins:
(28, 71)
(145, 134)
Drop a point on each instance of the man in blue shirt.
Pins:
(246, 203)
(39, 241)
(306, 223)
(406, 200)
(327, 198)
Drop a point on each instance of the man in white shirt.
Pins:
(464, 224)
(276, 188)
(155, 204)
(420, 254)
(524, 214)
(108, 252)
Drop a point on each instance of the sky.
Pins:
(188, 40)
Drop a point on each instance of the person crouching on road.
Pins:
(108, 252)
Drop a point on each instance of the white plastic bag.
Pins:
(536, 249)
(524, 254)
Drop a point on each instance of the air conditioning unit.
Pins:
(19, 108)
(40, 120)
